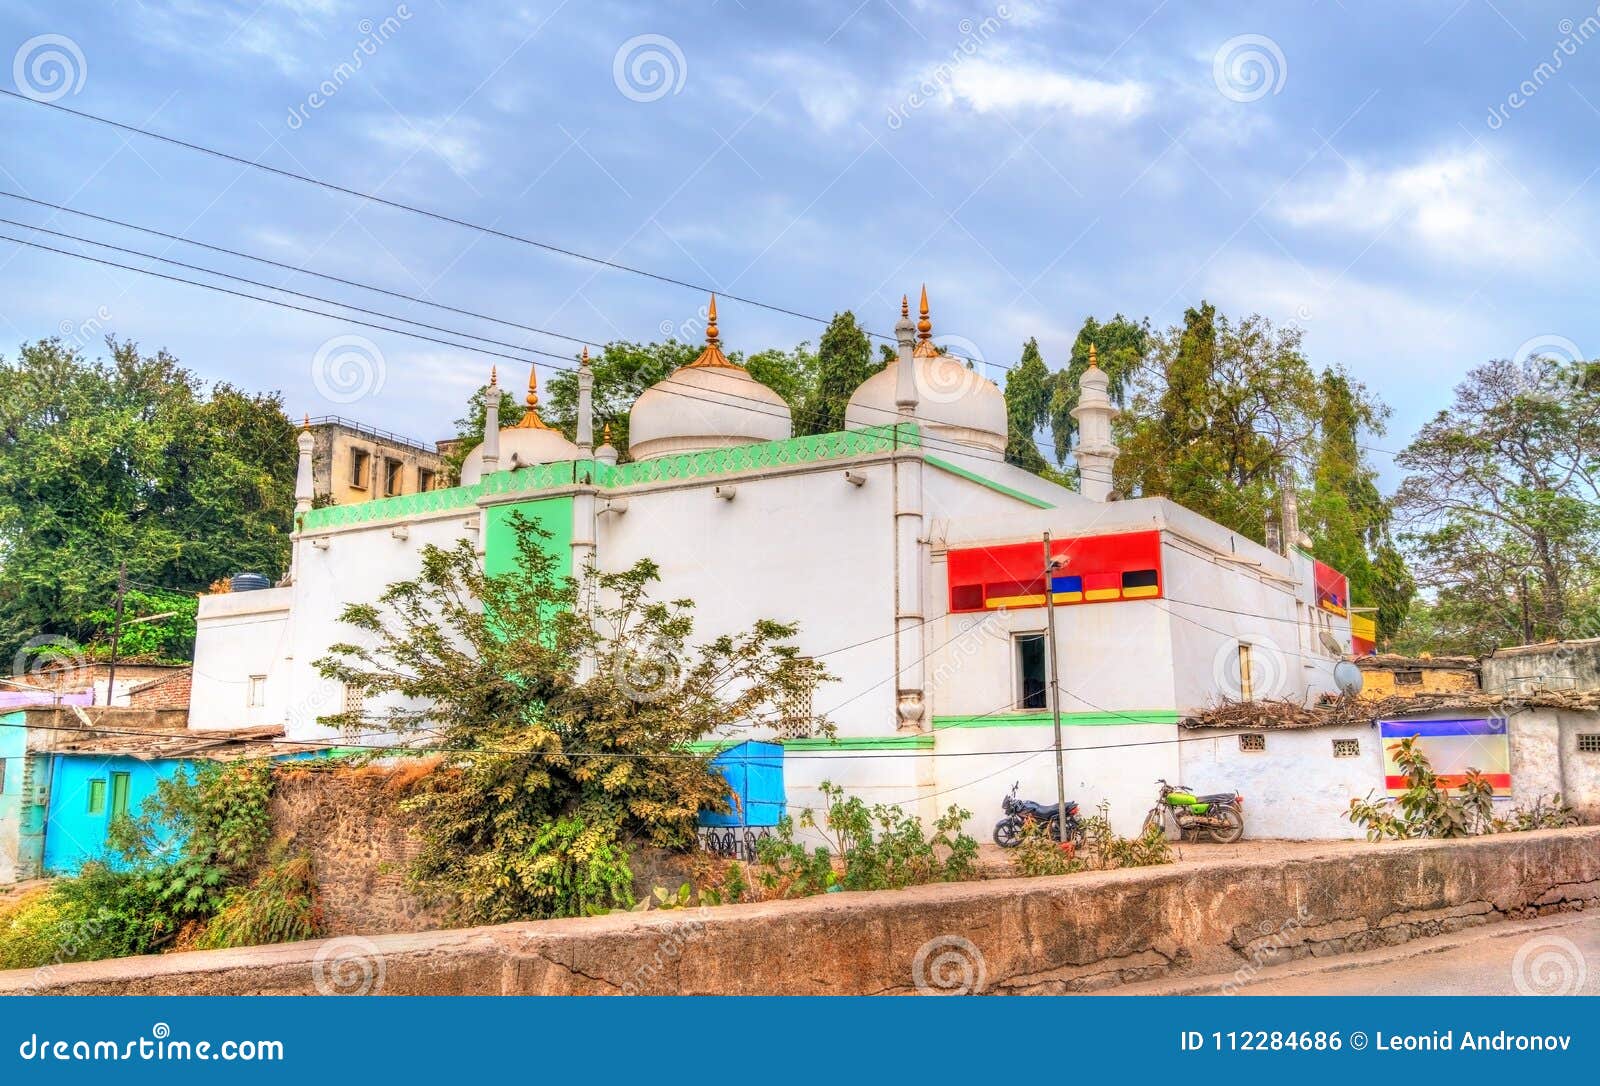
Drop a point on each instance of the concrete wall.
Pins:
(1294, 789)
(1561, 665)
(1051, 935)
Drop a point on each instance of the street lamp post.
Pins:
(1050, 566)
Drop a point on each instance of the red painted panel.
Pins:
(1015, 569)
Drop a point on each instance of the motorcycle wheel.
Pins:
(1008, 832)
(1227, 835)
(1152, 821)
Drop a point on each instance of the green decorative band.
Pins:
(841, 743)
(1110, 718)
(974, 477)
(811, 449)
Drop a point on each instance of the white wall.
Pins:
(238, 635)
(1296, 788)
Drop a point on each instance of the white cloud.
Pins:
(1006, 85)
(458, 145)
(1456, 204)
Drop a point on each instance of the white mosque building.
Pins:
(909, 553)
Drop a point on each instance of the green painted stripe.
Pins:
(974, 477)
(842, 743)
(1043, 720)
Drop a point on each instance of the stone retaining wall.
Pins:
(1050, 935)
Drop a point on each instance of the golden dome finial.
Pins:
(924, 348)
(530, 418)
(712, 357)
(306, 425)
(605, 434)
(1094, 358)
(494, 376)
(905, 307)
(584, 361)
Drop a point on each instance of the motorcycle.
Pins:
(1020, 812)
(1218, 814)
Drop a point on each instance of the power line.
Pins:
(292, 268)
(721, 399)
(412, 209)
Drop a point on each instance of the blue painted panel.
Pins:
(74, 835)
(754, 772)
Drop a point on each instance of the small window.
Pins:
(1347, 748)
(97, 797)
(360, 465)
(1032, 686)
(1408, 678)
(796, 715)
(392, 470)
(258, 691)
(1588, 744)
(354, 702)
(425, 479)
(119, 796)
(1246, 685)
(1254, 742)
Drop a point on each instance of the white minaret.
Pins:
(1095, 453)
(905, 381)
(491, 422)
(910, 547)
(302, 476)
(585, 404)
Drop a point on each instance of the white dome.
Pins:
(530, 441)
(520, 447)
(953, 403)
(708, 404)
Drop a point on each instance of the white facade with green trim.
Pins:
(846, 535)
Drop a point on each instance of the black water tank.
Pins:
(249, 582)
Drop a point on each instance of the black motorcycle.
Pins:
(1020, 812)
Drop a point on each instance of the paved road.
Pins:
(1553, 956)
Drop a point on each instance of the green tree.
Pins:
(1501, 504)
(1217, 417)
(1029, 385)
(1346, 516)
(844, 360)
(128, 459)
(565, 710)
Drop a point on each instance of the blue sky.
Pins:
(1337, 165)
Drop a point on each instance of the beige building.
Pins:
(353, 463)
(1389, 675)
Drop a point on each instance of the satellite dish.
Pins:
(1348, 678)
(1331, 643)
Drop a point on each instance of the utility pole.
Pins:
(116, 634)
(1050, 566)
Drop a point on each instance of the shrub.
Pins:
(280, 905)
(1428, 809)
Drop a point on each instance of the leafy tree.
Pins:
(791, 374)
(168, 640)
(1029, 385)
(844, 360)
(1346, 516)
(1502, 503)
(127, 459)
(564, 709)
(1217, 417)
(1121, 346)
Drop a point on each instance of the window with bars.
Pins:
(1589, 744)
(1253, 742)
(796, 715)
(1347, 748)
(1408, 678)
